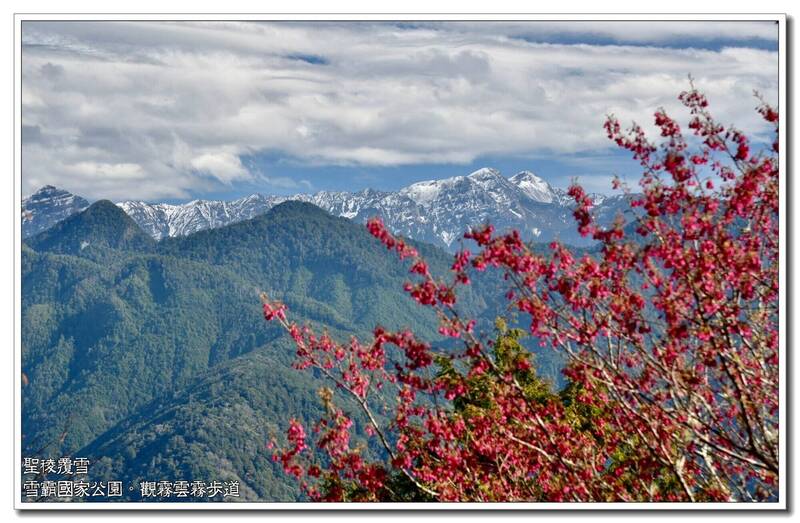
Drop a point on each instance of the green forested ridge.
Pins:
(101, 227)
(155, 359)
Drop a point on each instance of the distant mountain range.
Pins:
(437, 211)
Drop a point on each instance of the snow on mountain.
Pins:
(534, 187)
(48, 206)
(435, 211)
(423, 193)
(161, 220)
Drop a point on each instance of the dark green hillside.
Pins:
(328, 267)
(96, 348)
(216, 429)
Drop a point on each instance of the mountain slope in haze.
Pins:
(215, 429)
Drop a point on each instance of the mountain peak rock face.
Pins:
(161, 220)
(48, 206)
(485, 174)
(534, 187)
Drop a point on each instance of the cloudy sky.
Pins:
(171, 111)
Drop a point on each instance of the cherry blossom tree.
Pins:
(669, 328)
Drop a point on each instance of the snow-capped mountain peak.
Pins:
(484, 174)
(48, 206)
(49, 192)
(423, 193)
(534, 187)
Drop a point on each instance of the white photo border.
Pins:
(780, 505)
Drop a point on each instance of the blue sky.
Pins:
(594, 170)
(172, 111)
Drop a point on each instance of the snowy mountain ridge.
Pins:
(434, 211)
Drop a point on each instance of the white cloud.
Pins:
(224, 166)
(654, 32)
(183, 102)
(116, 171)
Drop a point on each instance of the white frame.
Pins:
(783, 493)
